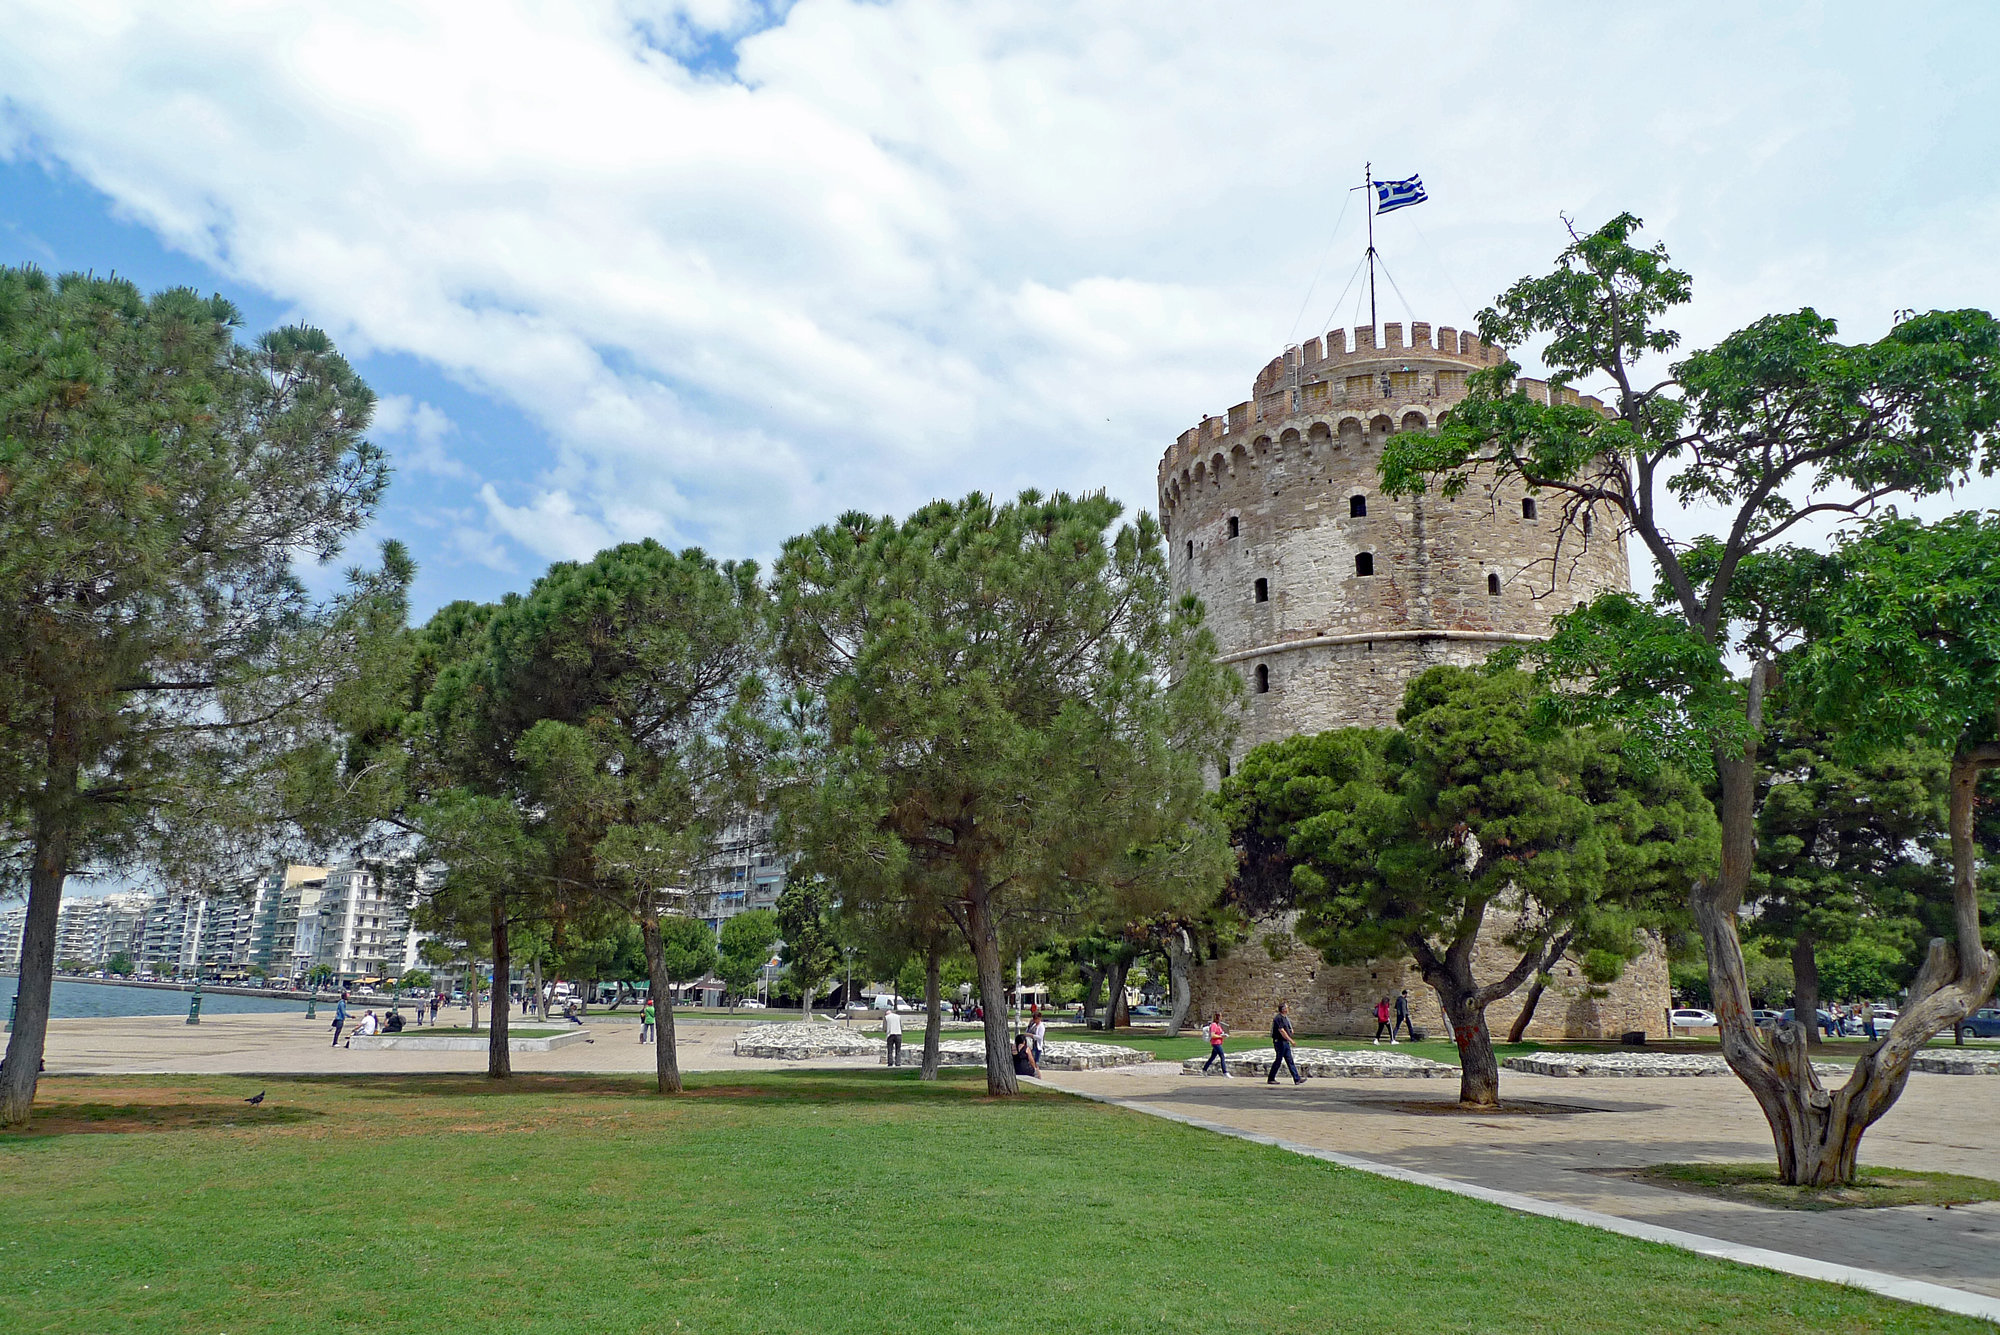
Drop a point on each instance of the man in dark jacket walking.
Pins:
(1403, 1024)
(1281, 1047)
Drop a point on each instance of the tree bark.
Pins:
(38, 957)
(983, 935)
(1180, 969)
(933, 1010)
(1816, 1131)
(1527, 1014)
(666, 1057)
(1117, 1012)
(1093, 983)
(1805, 987)
(499, 1063)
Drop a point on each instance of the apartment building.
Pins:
(12, 923)
(746, 871)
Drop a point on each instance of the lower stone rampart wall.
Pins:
(1246, 985)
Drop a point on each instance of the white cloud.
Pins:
(907, 250)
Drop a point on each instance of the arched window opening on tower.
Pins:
(1527, 507)
(1225, 767)
(1364, 563)
(1357, 506)
(1234, 527)
(1263, 587)
(1263, 679)
(1493, 586)
(1190, 549)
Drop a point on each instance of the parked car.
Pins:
(1766, 1019)
(1982, 1024)
(1825, 1017)
(751, 1005)
(1687, 1017)
(1147, 1010)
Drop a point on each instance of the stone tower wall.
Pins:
(1269, 492)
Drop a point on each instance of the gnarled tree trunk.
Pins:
(1464, 1003)
(1817, 1132)
(1093, 984)
(499, 1064)
(1540, 985)
(1117, 1013)
(1180, 970)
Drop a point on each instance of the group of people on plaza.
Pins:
(1281, 1045)
(427, 1007)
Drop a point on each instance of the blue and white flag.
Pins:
(1393, 195)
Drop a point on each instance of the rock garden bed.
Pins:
(1333, 1064)
(806, 1042)
(1635, 1064)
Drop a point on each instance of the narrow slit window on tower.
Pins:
(1357, 506)
(1263, 679)
(1493, 586)
(1364, 563)
(1263, 587)
(1225, 768)
(1234, 528)
(1190, 549)
(1527, 507)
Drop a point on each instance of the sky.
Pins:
(716, 272)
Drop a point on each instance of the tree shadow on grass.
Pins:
(57, 1120)
(844, 1086)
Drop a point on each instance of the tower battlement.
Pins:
(1329, 379)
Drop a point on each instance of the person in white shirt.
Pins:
(1037, 1033)
(892, 1029)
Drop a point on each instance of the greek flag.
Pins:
(1393, 195)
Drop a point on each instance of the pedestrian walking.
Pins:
(1038, 1034)
(892, 1029)
(1382, 1021)
(1403, 1017)
(647, 1018)
(1217, 1031)
(339, 1017)
(1281, 1047)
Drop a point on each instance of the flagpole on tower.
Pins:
(1368, 189)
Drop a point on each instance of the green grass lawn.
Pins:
(809, 1201)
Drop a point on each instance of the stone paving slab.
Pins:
(1333, 1064)
(1636, 1065)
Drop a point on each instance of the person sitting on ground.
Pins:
(394, 1024)
(1024, 1060)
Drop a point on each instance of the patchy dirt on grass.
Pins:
(1873, 1188)
(1507, 1108)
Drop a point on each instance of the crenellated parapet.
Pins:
(1341, 384)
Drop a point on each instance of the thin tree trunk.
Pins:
(666, 1057)
(1805, 987)
(38, 958)
(499, 1062)
(933, 1010)
(983, 935)
(472, 993)
(1180, 968)
(1527, 1014)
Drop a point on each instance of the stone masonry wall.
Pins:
(1246, 985)
(1328, 596)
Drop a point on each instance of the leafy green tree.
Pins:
(1003, 704)
(158, 655)
(812, 943)
(259, 972)
(1846, 850)
(1776, 425)
(121, 964)
(687, 948)
(319, 975)
(417, 980)
(744, 947)
(1405, 842)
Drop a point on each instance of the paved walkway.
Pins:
(1582, 1157)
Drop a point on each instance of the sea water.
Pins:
(83, 999)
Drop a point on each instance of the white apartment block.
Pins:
(12, 923)
(746, 871)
